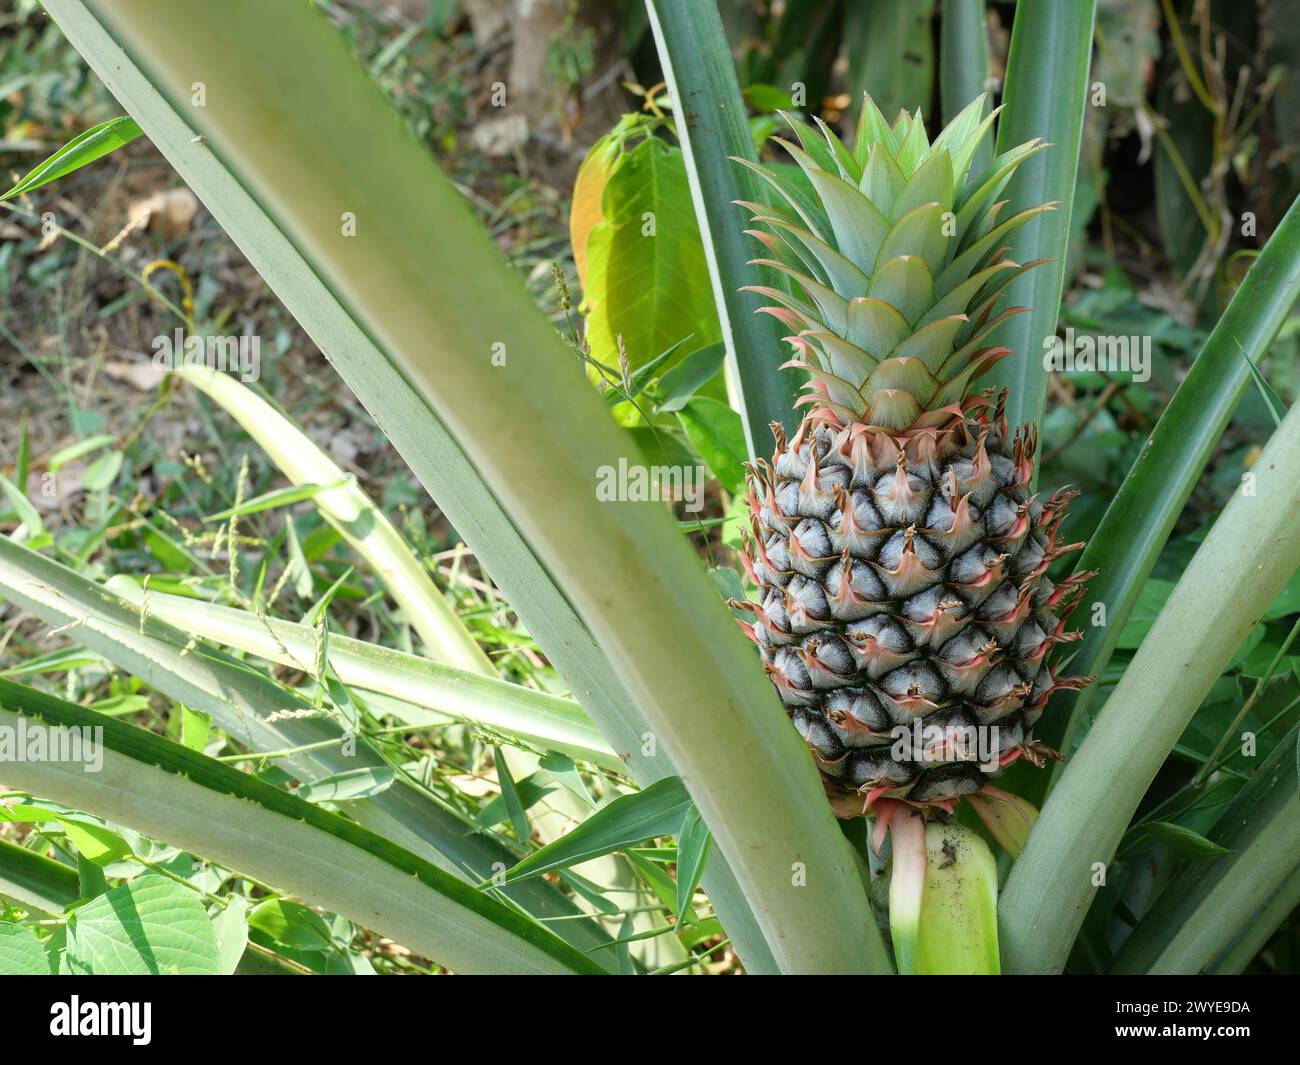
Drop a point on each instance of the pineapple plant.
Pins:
(899, 551)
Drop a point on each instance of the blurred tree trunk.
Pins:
(565, 60)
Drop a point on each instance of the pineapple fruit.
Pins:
(899, 553)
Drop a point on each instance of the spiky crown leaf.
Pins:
(900, 259)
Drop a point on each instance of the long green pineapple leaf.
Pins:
(36, 881)
(1139, 519)
(713, 127)
(172, 793)
(1045, 94)
(964, 63)
(436, 456)
(1207, 902)
(548, 721)
(1259, 927)
(537, 432)
(1249, 554)
(242, 701)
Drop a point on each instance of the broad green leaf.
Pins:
(195, 727)
(149, 926)
(647, 280)
(94, 144)
(230, 926)
(656, 811)
(715, 431)
(94, 842)
(585, 212)
(291, 924)
(21, 952)
(685, 379)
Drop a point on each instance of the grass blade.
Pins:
(656, 811)
(172, 793)
(1045, 93)
(82, 150)
(713, 127)
(1249, 554)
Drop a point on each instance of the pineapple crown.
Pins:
(899, 257)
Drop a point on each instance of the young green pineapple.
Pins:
(898, 550)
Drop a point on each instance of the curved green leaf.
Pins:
(150, 926)
(172, 793)
(547, 720)
(21, 953)
(94, 144)
(646, 279)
